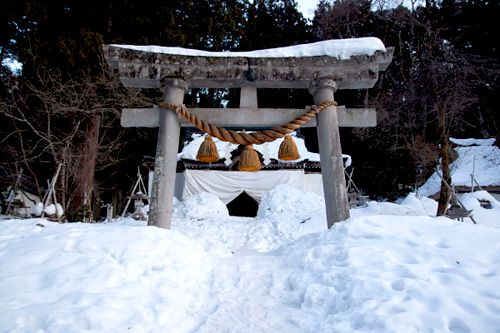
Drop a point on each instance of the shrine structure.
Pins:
(321, 67)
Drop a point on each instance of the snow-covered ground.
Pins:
(389, 268)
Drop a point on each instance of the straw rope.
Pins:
(244, 138)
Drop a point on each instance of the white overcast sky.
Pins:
(307, 7)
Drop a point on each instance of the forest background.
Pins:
(62, 111)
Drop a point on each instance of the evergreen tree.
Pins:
(274, 23)
(342, 19)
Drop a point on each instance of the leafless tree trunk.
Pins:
(444, 194)
(84, 181)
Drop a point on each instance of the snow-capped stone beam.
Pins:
(352, 63)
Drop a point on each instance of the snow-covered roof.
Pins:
(475, 156)
(191, 149)
(335, 48)
(473, 142)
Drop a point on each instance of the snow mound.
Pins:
(480, 195)
(420, 205)
(38, 210)
(50, 210)
(480, 214)
(287, 200)
(411, 206)
(202, 205)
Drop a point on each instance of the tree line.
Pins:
(64, 107)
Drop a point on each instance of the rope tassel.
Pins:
(288, 150)
(249, 160)
(208, 151)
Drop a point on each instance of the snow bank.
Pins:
(423, 206)
(412, 205)
(284, 214)
(338, 48)
(419, 205)
(483, 161)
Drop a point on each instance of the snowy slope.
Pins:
(390, 268)
(475, 156)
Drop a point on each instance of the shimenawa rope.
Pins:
(245, 138)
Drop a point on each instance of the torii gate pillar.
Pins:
(162, 195)
(332, 165)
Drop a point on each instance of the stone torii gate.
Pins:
(175, 70)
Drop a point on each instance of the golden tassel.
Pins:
(208, 151)
(249, 160)
(288, 150)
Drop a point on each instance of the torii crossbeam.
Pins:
(321, 67)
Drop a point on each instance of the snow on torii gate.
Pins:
(321, 67)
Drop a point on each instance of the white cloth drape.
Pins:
(227, 185)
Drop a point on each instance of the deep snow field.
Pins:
(389, 268)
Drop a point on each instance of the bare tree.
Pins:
(59, 121)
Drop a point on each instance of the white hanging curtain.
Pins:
(227, 185)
